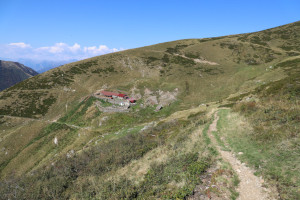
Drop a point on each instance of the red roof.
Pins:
(109, 93)
(121, 95)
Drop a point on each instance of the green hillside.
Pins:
(165, 154)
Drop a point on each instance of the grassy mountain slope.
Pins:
(97, 151)
(272, 145)
(12, 73)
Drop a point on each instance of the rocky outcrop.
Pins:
(160, 97)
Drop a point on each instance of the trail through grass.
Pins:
(278, 165)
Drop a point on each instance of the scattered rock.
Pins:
(136, 96)
(240, 153)
(147, 92)
(159, 97)
(67, 89)
(151, 100)
(70, 153)
(55, 141)
(166, 98)
(159, 107)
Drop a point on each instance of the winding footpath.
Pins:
(250, 186)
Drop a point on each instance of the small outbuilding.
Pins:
(132, 100)
(114, 95)
(124, 96)
(109, 94)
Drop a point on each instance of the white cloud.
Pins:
(57, 48)
(20, 45)
(57, 52)
(102, 49)
(75, 47)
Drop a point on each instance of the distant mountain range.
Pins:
(12, 73)
(40, 66)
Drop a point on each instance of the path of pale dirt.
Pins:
(250, 186)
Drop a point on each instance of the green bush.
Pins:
(176, 49)
(182, 61)
(30, 106)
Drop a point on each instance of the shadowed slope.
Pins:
(12, 73)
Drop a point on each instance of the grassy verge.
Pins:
(217, 133)
(277, 161)
(207, 140)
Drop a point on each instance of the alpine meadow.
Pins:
(187, 119)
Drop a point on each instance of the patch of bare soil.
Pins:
(197, 60)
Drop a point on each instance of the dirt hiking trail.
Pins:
(250, 186)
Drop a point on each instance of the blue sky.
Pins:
(67, 29)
